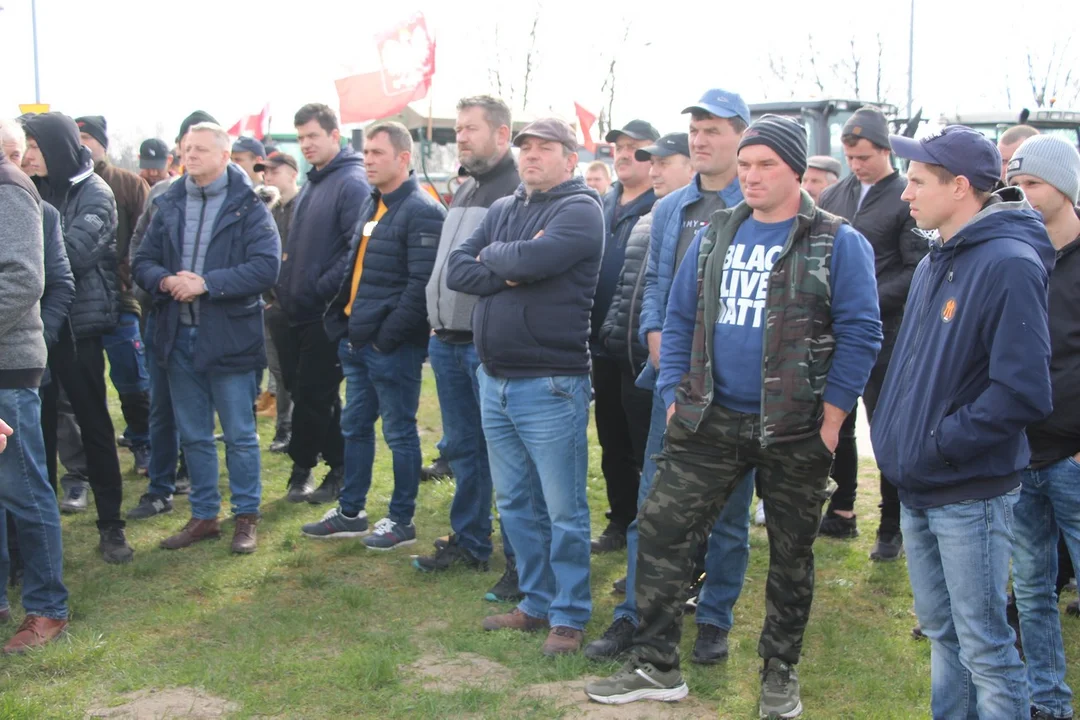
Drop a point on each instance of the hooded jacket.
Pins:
(971, 367)
(88, 218)
(549, 244)
(59, 282)
(326, 212)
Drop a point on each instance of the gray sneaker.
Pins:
(779, 691)
(335, 524)
(75, 497)
(389, 535)
(638, 681)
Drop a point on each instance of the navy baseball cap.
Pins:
(636, 130)
(251, 145)
(670, 144)
(722, 103)
(958, 149)
(153, 154)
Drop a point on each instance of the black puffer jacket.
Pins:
(619, 333)
(88, 217)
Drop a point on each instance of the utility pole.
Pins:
(37, 80)
(911, 57)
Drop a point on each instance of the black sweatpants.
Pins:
(623, 413)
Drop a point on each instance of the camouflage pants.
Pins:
(696, 473)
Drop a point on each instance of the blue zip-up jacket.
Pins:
(663, 242)
(971, 367)
(325, 214)
(550, 245)
(242, 262)
(615, 253)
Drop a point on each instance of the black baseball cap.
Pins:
(153, 154)
(277, 159)
(958, 149)
(635, 130)
(670, 144)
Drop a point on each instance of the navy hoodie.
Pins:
(972, 363)
(550, 244)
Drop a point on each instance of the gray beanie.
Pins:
(1053, 160)
(868, 123)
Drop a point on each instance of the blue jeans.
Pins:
(538, 447)
(164, 439)
(463, 445)
(128, 371)
(1049, 504)
(195, 395)
(958, 561)
(26, 494)
(385, 385)
(729, 541)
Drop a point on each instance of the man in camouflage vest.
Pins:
(771, 331)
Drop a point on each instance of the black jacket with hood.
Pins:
(88, 221)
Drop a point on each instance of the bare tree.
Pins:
(530, 57)
(1057, 81)
(812, 71)
(607, 89)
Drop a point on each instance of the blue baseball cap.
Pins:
(251, 145)
(722, 103)
(958, 149)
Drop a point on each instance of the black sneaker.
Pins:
(1037, 714)
(616, 640)
(439, 469)
(183, 480)
(282, 438)
(613, 538)
(142, 459)
(330, 489)
(123, 442)
(888, 546)
(149, 506)
(692, 593)
(300, 485)
(448, 557)
(835, 526)
(506, 590)
(76, 497)
(711, 645)
(1073, 609)
(113, 546)
(441, 542)
(619, 586)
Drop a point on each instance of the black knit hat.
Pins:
(95, 127)
(194, 118)
(868, 123)
(783, 135)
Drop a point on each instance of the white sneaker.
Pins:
(759, 514)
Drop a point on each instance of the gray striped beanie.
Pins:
(783, 135)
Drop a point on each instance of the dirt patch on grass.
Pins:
(183, 703)
(449, 674)
(570, 697)
(432, 626)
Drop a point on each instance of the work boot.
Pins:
(244, 539)
(195, 531)
(515, 620)
(616, 640)
(613, 538)
(113, 546)
(34, 632)
(330, 489)
(562, 640)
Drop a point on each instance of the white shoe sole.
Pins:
(662, 695)
(335, 536)
(403, 543)
(785, 716)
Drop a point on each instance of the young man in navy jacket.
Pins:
(534, 262)
(970, 372)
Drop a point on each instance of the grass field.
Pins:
(308, 629)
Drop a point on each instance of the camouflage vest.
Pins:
(798, 343)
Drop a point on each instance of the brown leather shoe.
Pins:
(244, 537)
(195, 531)
(562, 640)
(34, 632)
(514, 620)
(266, 405)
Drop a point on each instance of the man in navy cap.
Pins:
(246, 152)
(970, 371)
(155, 157)
(622, 410)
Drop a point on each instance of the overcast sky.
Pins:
(145, 65)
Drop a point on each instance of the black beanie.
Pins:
(783, 135)
(194, 118)
(94, 126)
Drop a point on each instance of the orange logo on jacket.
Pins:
(948, 310)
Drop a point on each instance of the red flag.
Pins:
(407, 63)
(586, 120)
(259, 125)
(238, 128)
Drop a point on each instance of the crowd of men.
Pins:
(722, 306)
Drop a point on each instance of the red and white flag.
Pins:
(586, 120)
(257, 125)
(406, 66)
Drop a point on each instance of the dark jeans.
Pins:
(623, 413)
(846, 465)
(129, 375)
(312, 373)
(80, 366)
